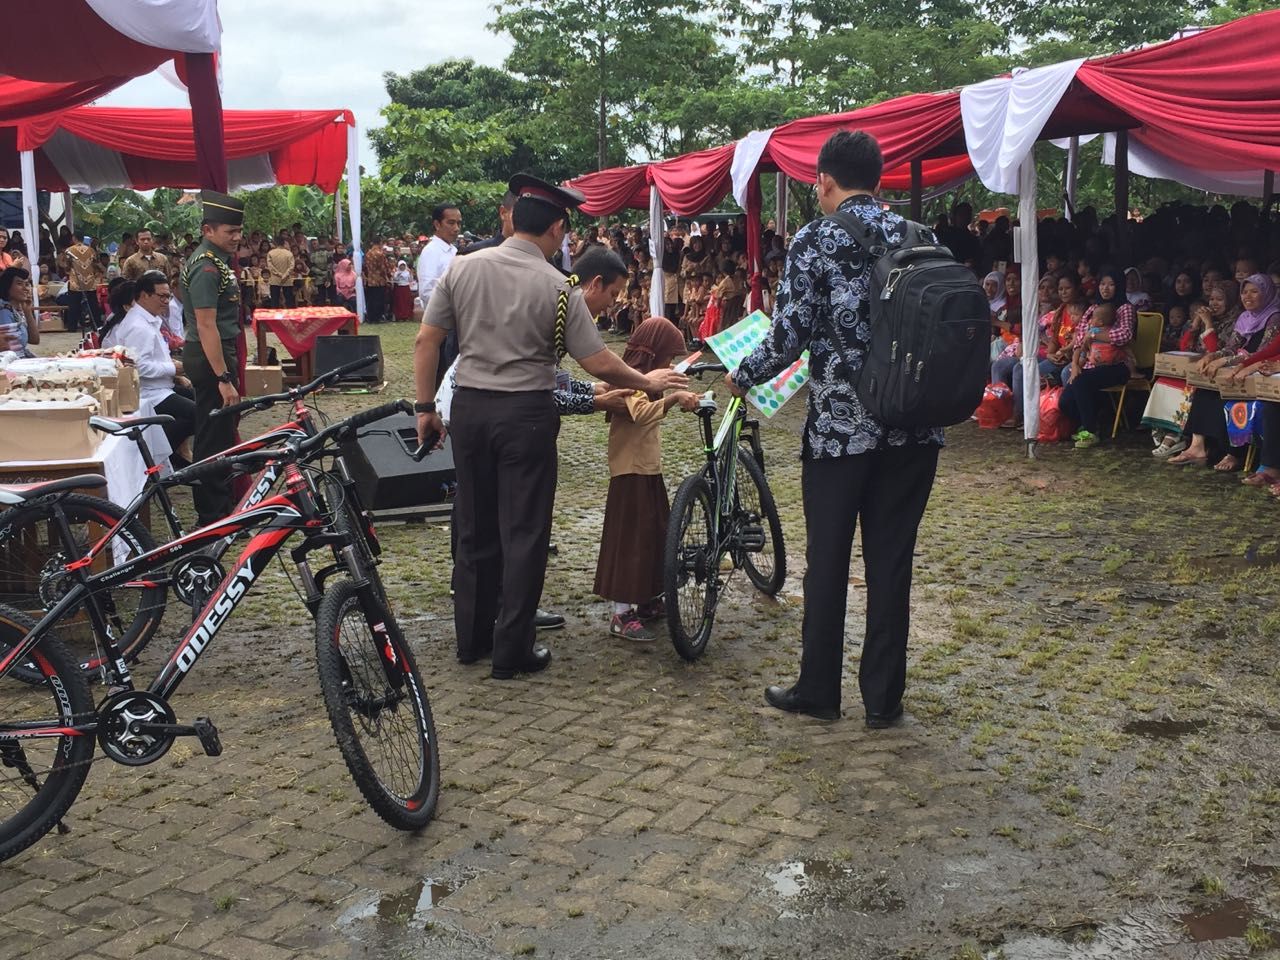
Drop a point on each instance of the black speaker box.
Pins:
(387, 476)
(332, 352)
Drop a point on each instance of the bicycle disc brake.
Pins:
(120, 721)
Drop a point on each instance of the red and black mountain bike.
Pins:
(41, 536)
(375, 698)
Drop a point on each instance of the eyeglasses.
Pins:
(163, 296)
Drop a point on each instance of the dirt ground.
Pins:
(1088, 766)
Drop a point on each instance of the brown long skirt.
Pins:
(635, 529)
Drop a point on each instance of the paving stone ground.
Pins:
(626, 803)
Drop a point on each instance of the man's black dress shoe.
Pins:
(538, 660)
(475, 657)
(879, 721)
(785, 698)
(545, 620)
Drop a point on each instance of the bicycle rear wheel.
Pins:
(378, 707)
(758, 516)
(690, 567)
(33, 575)
(39, 777)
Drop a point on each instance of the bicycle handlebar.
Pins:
(307, 450)
(700, 368)
(297, 393)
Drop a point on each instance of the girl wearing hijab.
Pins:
(344, 283)
(993, 287)
(1087, 378)
(1134, 291)
(1246, 337)
(402, 292)
(629, 569)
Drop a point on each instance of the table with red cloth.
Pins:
(298, 328)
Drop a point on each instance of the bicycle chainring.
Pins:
(195, 579)
(118, 718)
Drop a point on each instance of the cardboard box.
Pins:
(48, 431)
(260, 381)
(1232, 389)
(1175, 364)
(1197, 379)
(128, 390)
(1264, 388)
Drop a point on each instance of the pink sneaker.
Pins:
(629, 627)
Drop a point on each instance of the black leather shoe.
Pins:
(880, 721)
(474, 657)
(545, 620)
(786, 698)
(537, 661)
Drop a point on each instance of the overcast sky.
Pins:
(304, 54)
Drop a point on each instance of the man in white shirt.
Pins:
(440, 250)
(139, 330)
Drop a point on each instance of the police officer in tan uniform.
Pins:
(502, 302)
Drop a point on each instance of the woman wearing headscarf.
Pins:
(402, 292)
(629, 569)
(1237, 336)
(1082, 395)
(1134, 290)
(344, 283)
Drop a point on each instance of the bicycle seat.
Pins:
(21, 492)
(125, 424)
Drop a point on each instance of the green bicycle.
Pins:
(723, 519)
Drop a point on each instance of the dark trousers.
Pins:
(1269, 417)
(283, 296)
(180, 405)
(1081, 397)
(1208, 417)
(375, 304)
(212, 436)
(887, 491)
(78, 303)
(504, 449)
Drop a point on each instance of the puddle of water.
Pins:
(1229, 919)
(1163, 729)
(1251, 559)
(809, 884)
(413, 907)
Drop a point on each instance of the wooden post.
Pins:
(1122, 193)
(917, 189)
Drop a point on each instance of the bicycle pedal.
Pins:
(207, 734)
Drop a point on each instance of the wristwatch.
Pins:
(424, 406)
(227, 377)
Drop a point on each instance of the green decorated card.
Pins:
(734, 344)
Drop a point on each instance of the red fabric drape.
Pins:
(618, 188)
(206, 120)
(1211, 101)
(937, 173)
(23, 99)
(694, 183)
(81, 46)
(755, 204)
(47, 177)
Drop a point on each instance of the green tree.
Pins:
(420, 146)
(1101, 26)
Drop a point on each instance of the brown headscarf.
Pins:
(653, 344)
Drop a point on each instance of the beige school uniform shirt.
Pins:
(502, 303)
(635, 445)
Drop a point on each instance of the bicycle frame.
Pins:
(279, 517)
(721, 470)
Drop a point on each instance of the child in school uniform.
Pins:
(629, 569)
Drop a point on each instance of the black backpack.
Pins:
(929, 356)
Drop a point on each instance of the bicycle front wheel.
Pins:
(33, 574)
(39, 776)
(378, 707)
(347, 519)
(690, 566)
(764, 555)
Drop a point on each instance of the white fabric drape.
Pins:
(1004, 117)
(251, 173)
(657, 302)
(353, 212)
(84, 165)
(186, 26)
(1147, 162)
(31, 219)
(746, 157)
(1028, 255)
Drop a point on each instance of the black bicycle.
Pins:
(41, 536)
(374, 696)
(722, 519)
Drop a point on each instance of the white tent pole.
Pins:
(69, 214)
(782, 204)
(1073, 174)
(337, 212)
(31, 220)
(1029, 257)
(353, 212)
(657, 300)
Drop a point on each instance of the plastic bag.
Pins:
(996, 406)
(1054, 424)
